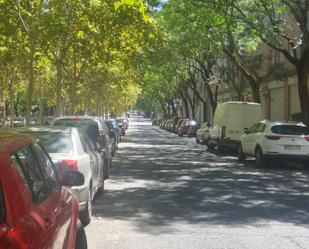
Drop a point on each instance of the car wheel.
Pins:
(106, 171)
(81, 239)
(219, 146)
(101, 188)
(85, 215)
(259, 158)
(241, 155)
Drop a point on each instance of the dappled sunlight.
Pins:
(159, 181)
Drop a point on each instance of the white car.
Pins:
(71, 149)
(202, 134)
(275, 140)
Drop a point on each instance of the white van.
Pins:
(230, 120)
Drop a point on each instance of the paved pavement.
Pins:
(169, 192)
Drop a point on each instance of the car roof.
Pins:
(44, 129)
(78, 117)
(282, 123)
(11, 141)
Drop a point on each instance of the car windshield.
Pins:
(290, 130)
(55, 142)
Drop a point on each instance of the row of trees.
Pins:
(208, 41)
(74, 56)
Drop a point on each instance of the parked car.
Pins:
(275, 140)
(4, 122)
(36, 209)
(156, 122)
(115, 129)
(71, 149)
(179, 123)
(18, 122)
(121, 125)
(229, 121)
(96, 130)
(112, 135)
(188, 127)
(202, 134)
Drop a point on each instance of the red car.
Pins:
(36, 210)
(188, 127)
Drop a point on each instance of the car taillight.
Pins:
(272, 137)
(307, 139)
(69, 164)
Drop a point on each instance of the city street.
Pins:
(169, 192)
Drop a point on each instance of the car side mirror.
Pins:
(246, 130)
(72, 178)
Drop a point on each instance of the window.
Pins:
(253, 128)
(47, 167)
(55, 142)
(83, 141)
(260, 127)
(290, 130)
(30, 172)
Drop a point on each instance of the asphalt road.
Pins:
(169, 192)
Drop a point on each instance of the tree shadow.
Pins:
(159, 180)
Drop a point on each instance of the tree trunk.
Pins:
(212, 100)
(204, 112)
(58, 87)
(12, 107)
(168, 111)
(256, 92)
(30, 84)
(173, 109)
(302, 76)
(41, 110)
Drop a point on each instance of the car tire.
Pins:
(106, 171)
(219, 146)
(241, 155)
(81, 239)
(259, 157)
(85, 215)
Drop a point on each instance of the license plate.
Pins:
(292, 147)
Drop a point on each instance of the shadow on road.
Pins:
(160, 179)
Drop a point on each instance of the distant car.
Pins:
(18, 122)
(202, 134)
(36, 209)
(71, 149)
(178, 124)
(120, 122)
(267, 140)
(114, 128)
(113, 139)
(188, 127)
(96, 130)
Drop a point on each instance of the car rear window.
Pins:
(55, 142)
(88, 126)
(290, 130)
